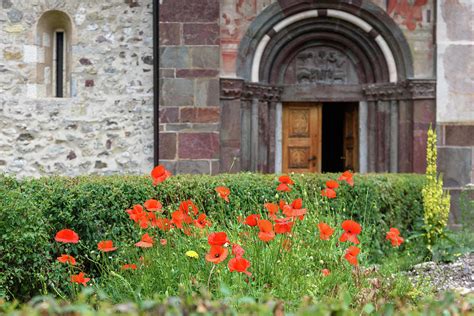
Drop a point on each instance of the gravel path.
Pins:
(458, 275)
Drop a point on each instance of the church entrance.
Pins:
(320, 137)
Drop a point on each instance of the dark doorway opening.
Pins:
(339, 137)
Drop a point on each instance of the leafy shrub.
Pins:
(33, 210)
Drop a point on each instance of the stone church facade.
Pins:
(236, 85)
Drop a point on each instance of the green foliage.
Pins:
(436, 202)
(91, 303)
(33, 210)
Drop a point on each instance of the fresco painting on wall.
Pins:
(409, 11)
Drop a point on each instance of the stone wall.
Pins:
(105, 125)
(189, 85)
(455, 99)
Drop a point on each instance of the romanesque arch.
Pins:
(326, 51)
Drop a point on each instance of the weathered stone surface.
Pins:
(189, 11)
(15, 15)
(198, 145)
(460, 199)
(206, 92)
(200, 115)
(196, 73)
(111, 122)
(12, 54)
(206, 57)
(175, 57)
(170, 34)
(193, 166)
(71, 155)
(167, 145)
(100, 165)
(167, 73)
(201, 33)
(459, 135)
(6, 4)
(169, 115)
(455, 163)
(177, 92)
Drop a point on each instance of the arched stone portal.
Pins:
(313, 72)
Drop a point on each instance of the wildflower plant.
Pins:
(436, 202)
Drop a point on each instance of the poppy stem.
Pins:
(209, 278)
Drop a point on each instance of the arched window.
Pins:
(54, 37)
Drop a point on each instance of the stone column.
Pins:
(278, 137)
(246, 128)
(393, 136)
(271, 136)
(363, 137)
(383, 136)
(405, 136)
(371, 136)
(254, 133)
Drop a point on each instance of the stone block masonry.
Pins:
(189, 78)
(105, 124)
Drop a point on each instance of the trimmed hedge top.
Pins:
(33, 210)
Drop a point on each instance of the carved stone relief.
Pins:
(325, 65)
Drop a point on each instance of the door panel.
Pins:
(351, 138)
(302, 137)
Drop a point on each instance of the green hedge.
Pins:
(33, 210)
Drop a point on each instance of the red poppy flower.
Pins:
(282, 204)
(187, 206)
(394, 236)
(329, 193)
(129, 266)
(351, 230)
(223, 193)
(282, 187)
(326, 272)
(217, 254)
(79, 278)
(283, 225)
(237, 251)
(159, 174)
(163, 224)
(163, 242)
(331, 184)
(266, 230)
(201, 221)
(136, 213)
(146, 242)
(179, 218)
(251, 220)
(298, 203)
(285, 180)
(347, 176)
(67, 236)
(239, 264)
(106, 246)
(67, 259)
(351, 255)
(325, 231)
(290, 211)
(153, 205)
(272, 209)
(217, 239)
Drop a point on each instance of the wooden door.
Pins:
(302, 137)
(351, 138)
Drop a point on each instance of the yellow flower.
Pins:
(192, 254)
